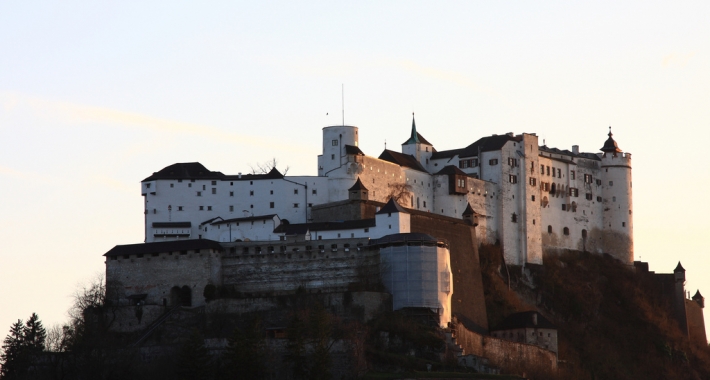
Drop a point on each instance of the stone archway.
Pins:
(185, 296)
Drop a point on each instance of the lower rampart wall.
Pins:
(503, 353)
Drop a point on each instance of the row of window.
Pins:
(469, 163)
(251, 192)
(282, 248)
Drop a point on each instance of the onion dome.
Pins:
(610, 145)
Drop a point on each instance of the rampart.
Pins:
(503, 353)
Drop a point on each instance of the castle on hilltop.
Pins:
(529, 198)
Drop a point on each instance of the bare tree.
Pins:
(266, 166)
(401, 192)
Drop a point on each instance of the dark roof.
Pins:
(486, 144)
(679, 268)
(524, 320)
(358, 185)
(610, 145)
(400, 159)
(468, 211)
(195, 170)
(302, 228)
(391, 207)
(450, 169)
(171, 224)
(406, 238)
(565, 152)
(163, 246)
(698, 295)
(350, 149)
(245, 219)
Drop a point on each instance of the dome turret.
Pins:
(610, 145)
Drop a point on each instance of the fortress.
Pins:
(530, 198)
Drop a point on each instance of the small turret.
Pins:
(679, 273)
(358, 191)
(417, 146)
(469, 216)
(699, 299)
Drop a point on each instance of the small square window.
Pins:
(214, 183)
(315, 192)
(171, 185)
(179, 208)
(295, 205)
(209, 208)
(202, 208)
(214, 190)
(199, 193)
(231, 208)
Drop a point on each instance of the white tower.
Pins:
(618, 229)
(418, 147)
(335, 139)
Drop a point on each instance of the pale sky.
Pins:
(96, 96)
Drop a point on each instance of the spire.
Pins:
(610, 145)
(679, 268)
(414, 138)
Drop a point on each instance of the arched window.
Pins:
(549, 229)
(565, 231)
(584, 234)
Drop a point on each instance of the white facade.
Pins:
(529, 198)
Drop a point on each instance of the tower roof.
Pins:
(358, 185)
(679, 268)
(610, 145)
(468, 211)
(391, 207)
(414, 138)
(698, 295)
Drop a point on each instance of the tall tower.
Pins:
(335, 139)
(418, 147)
(616, 189)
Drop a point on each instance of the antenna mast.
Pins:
(342, 94)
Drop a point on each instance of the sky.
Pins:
(96, 96)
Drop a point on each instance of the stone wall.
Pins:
(503, 353)
(696, 323)
(468, 300)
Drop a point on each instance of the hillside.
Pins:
(610, 324)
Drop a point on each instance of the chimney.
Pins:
(534, 316)
(240, 175)
(575, 149)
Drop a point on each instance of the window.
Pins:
(599, 199)
(533, 198)
(214, 190)
(573, 192)
(295, 205)
(231, 193)
(623, 224)
(589, 196)
(513, 178)
(199, 193)
(493, 162)
(204, 187)
(332, 157)
(209, 208)
(542, 169)
(314, 192)
(553, 172)
(564, 207)
(565, 231)
(548, 170)
(514, 218)
(179, 208)
(611, 183)
(202, 208)
(584, 234)
(251, 193)
(271, 192)
(189, 185)
(559, 173)
(549, 229)
(147, 186)
(533, 181)
(295, 191)
(613, 199)
(599, 182)
(214, 183)
(231, 208)
(424, 203)
(334, 142)
(572, 174)
(588, 178)
(512, 161)
(171, 185)
(271, 204)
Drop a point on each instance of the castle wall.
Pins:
(156, 274)
(696, 323)
(467, 300)
(504, 353)
(282, 267)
